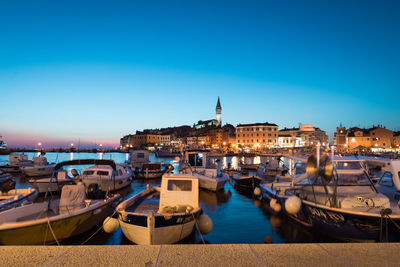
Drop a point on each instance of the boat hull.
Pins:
(33, 171)
(63, 227)
(340, 224)
(212, 184)
(157, 229)
(247, 183)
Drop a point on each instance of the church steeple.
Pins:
(219, 112)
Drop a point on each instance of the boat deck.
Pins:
(150, 203)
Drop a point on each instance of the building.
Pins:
(257, 135)
(356, 139)
(212, 123)
(304, 136)
(396, 140)
(218, 111)
(141, 139)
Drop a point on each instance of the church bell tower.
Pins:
(219, 112)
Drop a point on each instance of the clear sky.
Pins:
(97, 70)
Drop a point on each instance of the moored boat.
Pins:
(76, 212)
(198, 163)
(246, 182)
(153, 170)
(345, 205)
(40, 167)
(103, 174)
(162, 215)
(17, 197)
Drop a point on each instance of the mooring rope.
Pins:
(84, 242)
(51, 230)
(198, 230)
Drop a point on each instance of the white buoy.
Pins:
(110, 225)
(292, 205)
(257, 191)
(205, 224)
(272, 203)
(277, 207)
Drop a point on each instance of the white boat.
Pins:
(163, 215)
(52, 184)
(16, 162)
(103, 174)
(271, 168)
(40, 167)
(345, 205)
(17, 197)
(138, 158)
(198, 163)
(387, 176)
(54, 221)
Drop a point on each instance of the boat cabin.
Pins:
(19, 160)
(179, 189)
(199, 160)
(139, 157)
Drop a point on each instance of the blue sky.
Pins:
(97, 70)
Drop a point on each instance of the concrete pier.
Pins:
(344, 254)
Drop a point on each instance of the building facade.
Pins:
(257, 135)
(355, 138)
(304, 136)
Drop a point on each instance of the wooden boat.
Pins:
(17, 197)
(163, 215)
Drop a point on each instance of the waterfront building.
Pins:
(304, 136)
(257, 135)
(360, 139)
(396, 140)
(144, 139)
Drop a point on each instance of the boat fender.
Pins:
(293, 205)
(257, 191)
(205, 224)
(272, 203)
(277, 207)
(110, 225)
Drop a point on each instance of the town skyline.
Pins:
(68, 74)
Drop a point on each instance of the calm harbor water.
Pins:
(237, 218)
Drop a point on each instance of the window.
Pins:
(179, 185)
(386, 179)
(196, 159)
(140, 155)
(102, 172)
(88, 172)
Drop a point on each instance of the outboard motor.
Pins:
(74, 172)
(6, 184)
(94, 192)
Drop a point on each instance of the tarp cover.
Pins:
(72, 198)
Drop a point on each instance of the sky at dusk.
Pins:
(95, 71)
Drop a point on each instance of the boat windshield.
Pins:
(354, 178)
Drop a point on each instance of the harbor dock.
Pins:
(312, 254)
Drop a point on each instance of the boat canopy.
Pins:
(110, 163)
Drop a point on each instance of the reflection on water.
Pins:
(237, 217)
